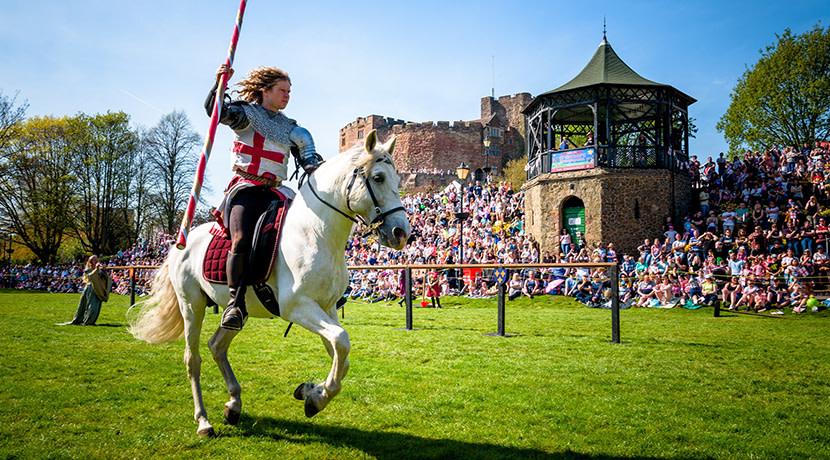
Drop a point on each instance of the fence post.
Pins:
(132, 286)
(501, 311)
(408, 297)
(615, 303)
(500, 275)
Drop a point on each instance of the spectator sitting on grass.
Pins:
(532, 286)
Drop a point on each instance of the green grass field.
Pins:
(682, 385)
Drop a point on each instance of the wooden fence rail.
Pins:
(613, 275)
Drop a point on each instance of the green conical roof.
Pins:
(605, 68)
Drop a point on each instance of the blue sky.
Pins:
(417, 61)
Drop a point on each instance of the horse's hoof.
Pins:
(303, 390)
(310, 409)
(232, 416)
(206, 433)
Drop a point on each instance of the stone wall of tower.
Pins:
(622, 206)
(508, 115)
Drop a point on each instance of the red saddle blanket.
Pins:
(263, 254)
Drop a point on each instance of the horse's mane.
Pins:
(367, 160)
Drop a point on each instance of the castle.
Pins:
(427, 153)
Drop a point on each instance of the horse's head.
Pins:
(376, 198)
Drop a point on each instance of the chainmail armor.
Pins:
(275, 127)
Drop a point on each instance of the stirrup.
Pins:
(232, 319)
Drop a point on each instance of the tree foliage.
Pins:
(105, 153)
(37, 184)
(92, 177)
(785, 96)
(515, 173)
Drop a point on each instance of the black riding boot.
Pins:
(234, 316)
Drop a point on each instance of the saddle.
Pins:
(263, 254)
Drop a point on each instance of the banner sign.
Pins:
(571, 159)
(470, 275)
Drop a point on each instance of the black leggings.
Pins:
(246, 207)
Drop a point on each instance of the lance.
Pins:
(181, 242)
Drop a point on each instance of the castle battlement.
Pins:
(374, 121)
(437, 126)
(522, 96)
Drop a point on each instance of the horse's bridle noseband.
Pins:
(380, 216)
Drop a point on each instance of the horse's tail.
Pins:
(158, 318)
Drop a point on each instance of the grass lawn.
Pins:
(682, 385)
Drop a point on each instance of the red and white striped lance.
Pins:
(181, 242)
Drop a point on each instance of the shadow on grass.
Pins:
(395, 446)
(92, 325)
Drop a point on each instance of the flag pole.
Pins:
(181, 242)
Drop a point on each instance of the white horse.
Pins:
(308, 279)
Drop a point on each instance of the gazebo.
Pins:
(634, 122)
(607, 155)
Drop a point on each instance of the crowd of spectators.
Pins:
(68, 278)
(151, 251)
(52, 278)
(756, 240)
(434, 171)
(491, 231)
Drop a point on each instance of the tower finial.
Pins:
(603, 28)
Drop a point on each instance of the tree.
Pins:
(137, 205)
(170, 148)
(37, 184)
(514, 172)
(785, 97)
(10, 116)
(104, 151)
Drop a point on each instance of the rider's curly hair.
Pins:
(261, 78)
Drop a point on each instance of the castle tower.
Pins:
(506, 123)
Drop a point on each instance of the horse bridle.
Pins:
(380, 216)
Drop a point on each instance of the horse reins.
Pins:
(380, 216)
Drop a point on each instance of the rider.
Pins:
(263, 135)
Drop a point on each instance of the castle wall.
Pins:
(622, 206)
(354, 132)
(443, 145)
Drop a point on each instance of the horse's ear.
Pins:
(390, 146)
(371, 141)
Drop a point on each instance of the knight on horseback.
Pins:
(263, 136)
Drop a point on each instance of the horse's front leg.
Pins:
(336, 341)
(219, 344)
